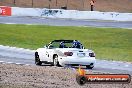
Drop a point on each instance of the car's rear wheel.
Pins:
(89, 67)
(55, 60)
(37, 59)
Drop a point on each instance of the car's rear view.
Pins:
(77, 57)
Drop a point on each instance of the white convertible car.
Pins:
(65, 52)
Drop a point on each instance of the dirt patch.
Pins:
(22, 76)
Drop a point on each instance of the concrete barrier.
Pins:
(71, 14)
(16, 11)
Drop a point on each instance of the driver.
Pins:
(62, 45)
(76, 44)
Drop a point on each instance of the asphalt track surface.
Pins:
(64, 22)
(26, 56)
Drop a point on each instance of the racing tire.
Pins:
(37, 59)
(55, 61)
(89, 67)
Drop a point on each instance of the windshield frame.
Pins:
(66, 42)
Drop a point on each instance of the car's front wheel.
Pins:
(37, 59)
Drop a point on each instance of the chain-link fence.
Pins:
(53, 4)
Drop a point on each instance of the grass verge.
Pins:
(108, 43)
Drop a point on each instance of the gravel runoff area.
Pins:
(31, 76)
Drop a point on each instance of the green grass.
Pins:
(108, 43)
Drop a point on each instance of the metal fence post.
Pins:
(14, 2)
(83, 4)
(49, 3)
(66, 3)
(32, 3)
(56, 2)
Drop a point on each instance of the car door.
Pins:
(42, 54)
(49, 54)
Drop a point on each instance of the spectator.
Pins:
(92, 3)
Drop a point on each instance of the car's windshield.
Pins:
(66, 44)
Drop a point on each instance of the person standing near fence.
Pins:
(92, 3)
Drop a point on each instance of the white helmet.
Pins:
(62, 45)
